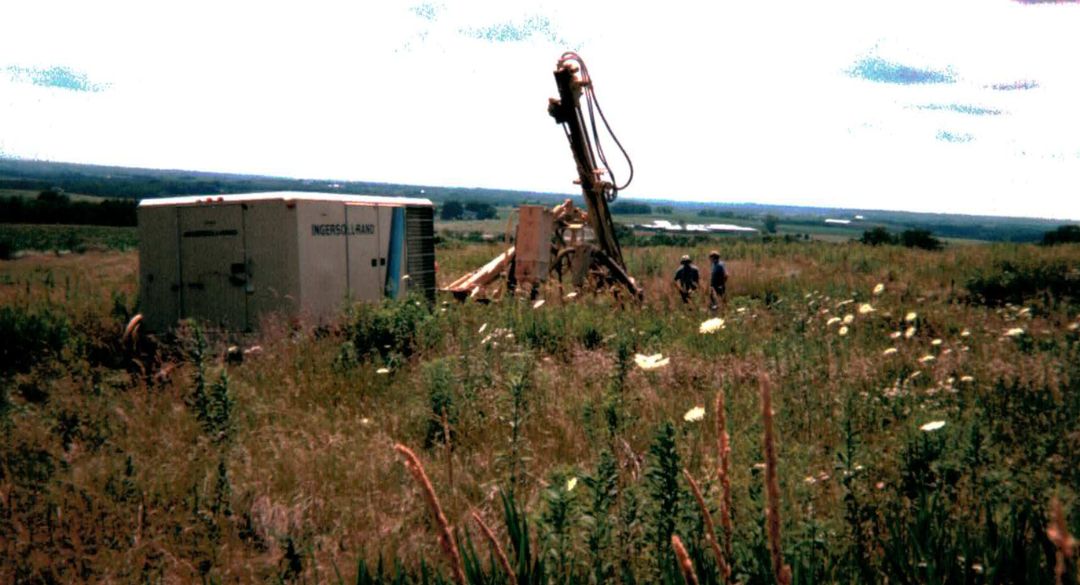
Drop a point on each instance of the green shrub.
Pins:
(27, 337)
(393, 327)
(1019, 282)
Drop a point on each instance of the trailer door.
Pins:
(365, 282)
(212, 265)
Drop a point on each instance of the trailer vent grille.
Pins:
(420, 258)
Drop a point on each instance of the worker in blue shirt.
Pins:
(717, 281)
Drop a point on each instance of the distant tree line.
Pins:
(912, 238)
(454, 209)
(53, 206)
(630, 208)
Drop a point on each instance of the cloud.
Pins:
(962, 109)
(427, 11)
(881, 71)
(59, 77)
(946, 136)
(510, 32)
(1015, 85)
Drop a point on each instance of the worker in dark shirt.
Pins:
(717, 281)
(686, 278)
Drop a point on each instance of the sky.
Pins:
(955, 106)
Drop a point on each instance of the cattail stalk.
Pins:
(723, 448)
(685, 564)
(772, 487)
(449, 452)
(1058, 533)
(500, 554)
(710, 529)
(446, 535)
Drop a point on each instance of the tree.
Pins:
(877, 237)
(481, 210)
(918, 238)
(1066, 234)
(452, 210)
(770, 223)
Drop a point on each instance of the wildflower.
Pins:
(694, 414)
(1074, 326)
(866, 308)
(880, 288)
(843, 330)
(711, 326)
(880, 485)
(832, 320)
(651, 362)
(382, 371)
(926, 358)
(538, 304)
(365, 421)
(571, 484)
(842, 303)
(935, 342)
(740, 310)
(482, 329)
(810, 480)
(889, 351)
(911, 316)
(967, 379)
(848, 319)
(910, 332)
(895, 335)
(932, 426)
(965, 333)
(570, 295)
(1014, 332)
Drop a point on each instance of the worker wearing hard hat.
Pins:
(686, 278)
(717, 281)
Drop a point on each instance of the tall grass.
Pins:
(111, 468)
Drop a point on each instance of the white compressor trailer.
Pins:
(229, 260)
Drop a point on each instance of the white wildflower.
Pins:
(911, 316)
(651, 362)
(571, 484)
(843, 330)
(932, 426)
(382, 371)
(711, 326)
(848, 319)
(1014, 332)
(866, 308)
(694, 414)
(832, 320)
(889, 351)
(880, 288)
(926, 359)
(538, 304)
(935, 342)
(482, 329)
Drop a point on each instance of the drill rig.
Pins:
(552, 242)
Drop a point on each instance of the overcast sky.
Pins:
(953, 106)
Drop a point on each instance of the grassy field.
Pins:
(920, 428)
(21, 238)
